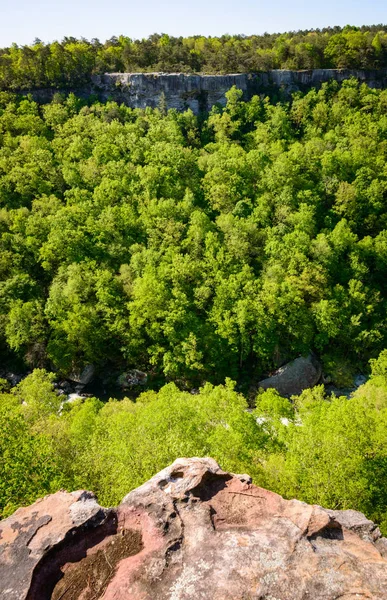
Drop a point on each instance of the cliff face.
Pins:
(192, 532)
(201, 92)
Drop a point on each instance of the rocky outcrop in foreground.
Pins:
(191, 532)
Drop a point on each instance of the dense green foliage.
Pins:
(194, 249)
(71, 62)
(333, 452)
(330, 451)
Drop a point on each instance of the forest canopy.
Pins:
(71, 62)
(194, 248)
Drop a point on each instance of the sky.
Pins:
(21, 21)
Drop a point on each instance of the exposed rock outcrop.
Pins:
(83, 377)
(131, 378)
(201, 92)
(292, 378)
(191, 532)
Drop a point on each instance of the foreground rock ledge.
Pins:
(191, 532)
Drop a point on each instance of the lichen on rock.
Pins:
(193, 531)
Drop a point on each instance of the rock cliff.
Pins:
(201, 92)
(192, 532)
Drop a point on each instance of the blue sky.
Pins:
(23, 20)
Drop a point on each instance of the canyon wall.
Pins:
(201, 92)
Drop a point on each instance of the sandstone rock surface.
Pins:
(292, 378)
(192, 532)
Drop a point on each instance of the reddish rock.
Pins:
(191, 532)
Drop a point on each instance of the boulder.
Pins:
(64, 387)
(359, 380)
(132, 378)
(75, 396)
(14, 378)
(192, 532)
(83, 377)
(292, 378)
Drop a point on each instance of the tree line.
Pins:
(71, 62)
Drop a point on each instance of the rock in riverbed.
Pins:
(292, 378)
(131, 378)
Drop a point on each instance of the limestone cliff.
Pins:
(193, 532)
(201, 92)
